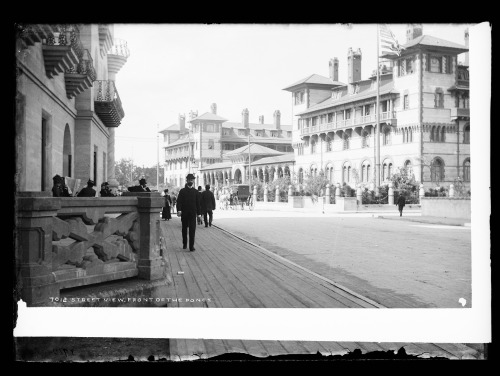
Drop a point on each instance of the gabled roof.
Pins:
(215, 166)
(315, 79)
(172, 128)
(255, 149)
(207, 116)
(180, 141)
(430, 41)
(253, 126)
(385, 88)
(288, 157)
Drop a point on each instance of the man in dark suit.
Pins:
(189, 209)
(207, 205)
(401, 204)
(88, 191)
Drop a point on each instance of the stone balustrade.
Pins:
(65, 242)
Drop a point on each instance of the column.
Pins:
(277, 195)
(35, 213)
(150, 264)
(421, 193)
(265, 192)
(359, 195)
(391, 194)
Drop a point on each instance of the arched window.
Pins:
(408, 167)
(404, 135)
(346, 173)
(365, 171)
(467, 170)
(437, 170)
(328, 144)
(301, 175)
(329, 173)
(345, 138)
(387, 136)
(433, 131)
(409, 136)
(365, 139)
(467, 134)
(386, 170)
(443, 134)
(439, 98)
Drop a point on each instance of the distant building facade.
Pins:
(209, 147)
(424, 116)
(67, 103)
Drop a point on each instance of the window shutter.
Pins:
(428, 63)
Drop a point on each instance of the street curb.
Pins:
(272, 254)
(416, 219)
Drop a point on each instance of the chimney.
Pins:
(244, 118)
(353, 65)
(413, 31)
(182, 123)
(261, 119)
(334, 69)
(466, 39)
(213, 107)
(277, 119)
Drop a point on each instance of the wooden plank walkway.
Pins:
(227, 272)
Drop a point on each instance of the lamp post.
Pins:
(249, 160)
(158, 157)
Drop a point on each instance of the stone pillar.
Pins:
(391, 194)
(359, 195)
(33, 236)
(113, 183)
(327, 194)
(452, 190)
(290, 191)
(277, 195)
(337, 192)
(255, 194)
(150, 262)
(265, 193)
(421, 193)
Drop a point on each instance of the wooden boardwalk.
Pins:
(227, 272)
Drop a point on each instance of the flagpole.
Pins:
(377, 126)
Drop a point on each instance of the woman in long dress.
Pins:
(165, 214)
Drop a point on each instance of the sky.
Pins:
(177, 68)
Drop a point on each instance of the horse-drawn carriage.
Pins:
(237, 196)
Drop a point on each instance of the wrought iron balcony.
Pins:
(117, 55)
(62, 48)
(80, 76)
(107, 103)
(460, 113)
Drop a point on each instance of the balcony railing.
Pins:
(62, 48)
(107, 103)
(105, 38)
(80, 76)
(339, 124)
(459, 113)
(119, 48)
(463, 83)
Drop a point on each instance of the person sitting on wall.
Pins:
(105, 190)
(88, 191)
(60, 189)
(142, 184)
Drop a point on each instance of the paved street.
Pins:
(397, 263)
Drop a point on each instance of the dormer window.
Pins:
(336, 94)
(258, 133)
(242, 132)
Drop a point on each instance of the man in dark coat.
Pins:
(207, 205)
(189, 209)
(105, 191)
(88, 191)
(199, 221)
(165, 213)
(59, 189)
(401, 203)
(142, 184)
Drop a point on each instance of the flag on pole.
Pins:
(388, 42)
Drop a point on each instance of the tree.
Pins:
(314, 185)
(129, 174)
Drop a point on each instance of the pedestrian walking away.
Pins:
(88, 191)
(165, 213)
(189, 209)
(174, 203)
(207, 205)
(199, 221)
(401, 203)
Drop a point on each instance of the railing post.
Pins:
(452, 191)
(337, 192)
(390, 199)
(359, 195)
(150, 262)
(421, 193)
(327, 194)
(265, 192)
(290, 192)
(254, 194)
(277, 195)
(35, 212)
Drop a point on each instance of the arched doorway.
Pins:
(67, 155)
(237, 176)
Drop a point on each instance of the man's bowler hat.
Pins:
(190, 177)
